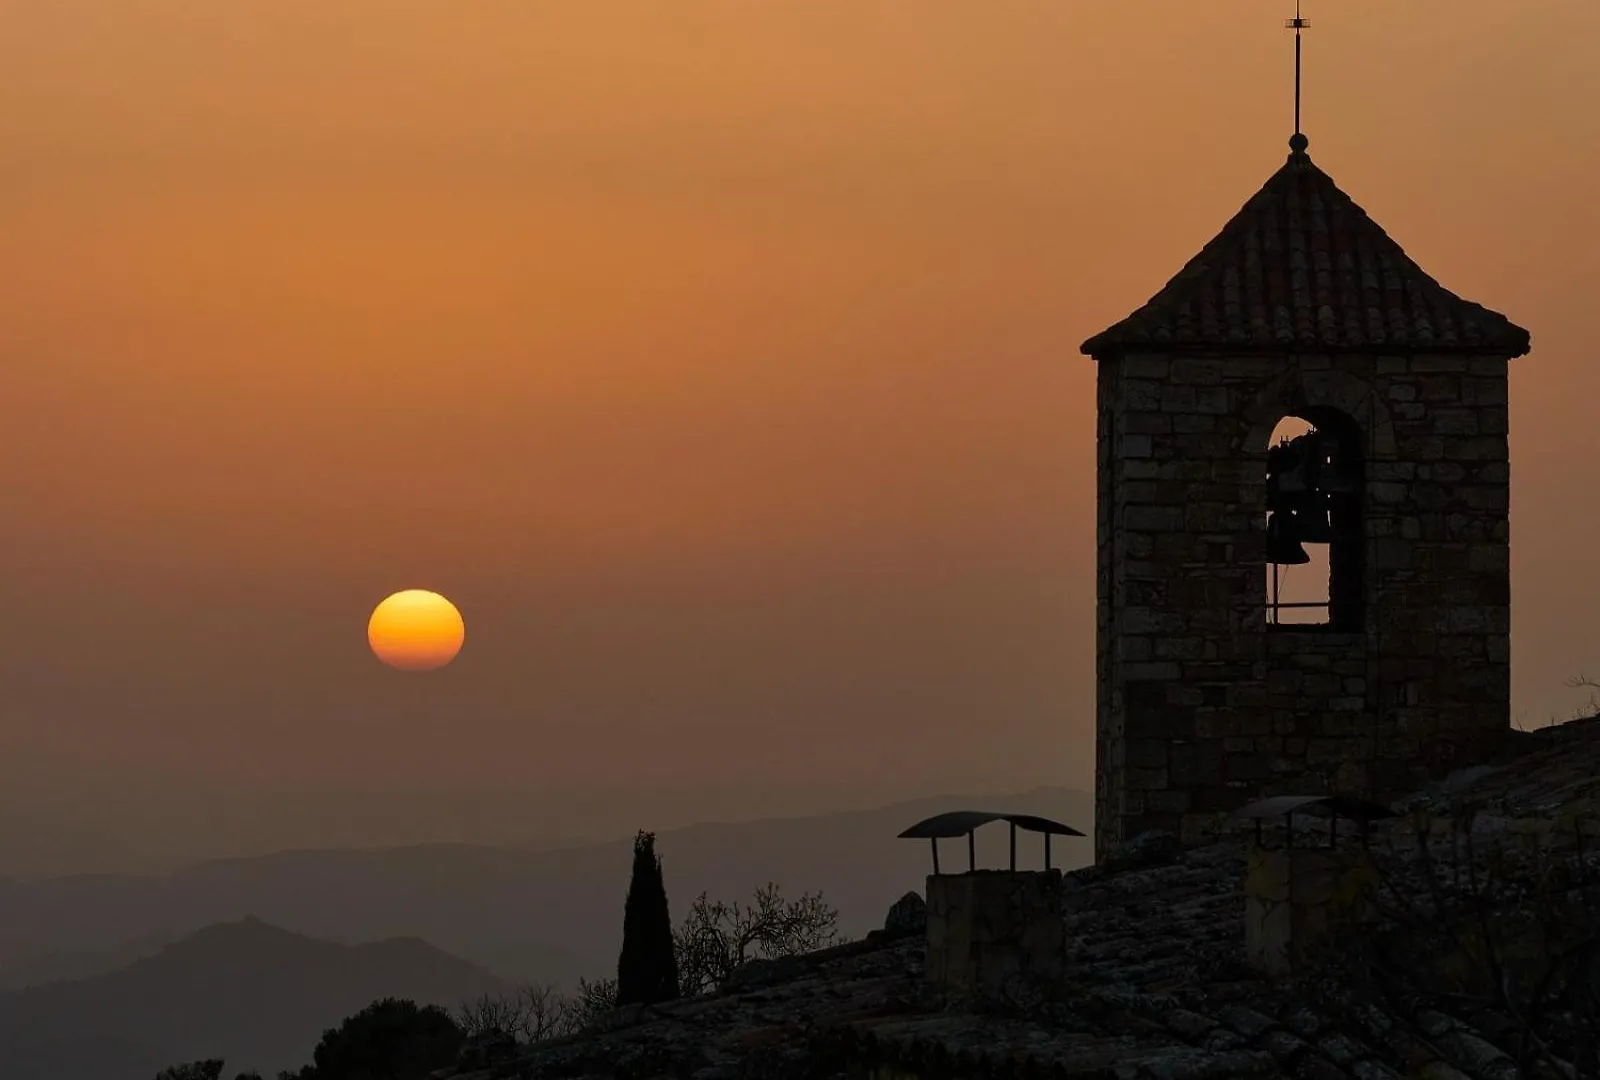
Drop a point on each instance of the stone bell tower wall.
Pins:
(1201, 706)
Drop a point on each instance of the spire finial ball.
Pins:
(1298, 143)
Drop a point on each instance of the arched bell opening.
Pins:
(1314, 522)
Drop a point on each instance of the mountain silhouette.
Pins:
(546, 915)
(252, 993)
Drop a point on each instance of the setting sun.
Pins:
(416, 630)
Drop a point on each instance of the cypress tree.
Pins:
(647, 969)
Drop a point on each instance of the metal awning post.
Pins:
(1364, 812)
(954, 823)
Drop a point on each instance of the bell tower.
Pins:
(1303, 570)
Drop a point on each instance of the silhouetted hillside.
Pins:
(246, 991)
(68, 965)
(542, 914)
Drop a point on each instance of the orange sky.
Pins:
(719, 359)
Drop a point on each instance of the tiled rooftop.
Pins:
(1303, 268)
(1157, 988)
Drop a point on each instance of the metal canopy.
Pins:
(961, 822)
(1362, 811)
(967, 822)
(1345, 806)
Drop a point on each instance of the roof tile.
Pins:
(1301, 266)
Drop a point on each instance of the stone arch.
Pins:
(1305, 394)
(1347, 408)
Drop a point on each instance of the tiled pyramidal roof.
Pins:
(1303, 268)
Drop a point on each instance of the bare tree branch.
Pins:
(717, 938)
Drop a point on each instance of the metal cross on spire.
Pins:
(1298, 24)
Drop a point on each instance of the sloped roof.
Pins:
(1303, 268)
(960, 822)
(1156, 987)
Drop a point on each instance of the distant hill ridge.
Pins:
(549, 914)
(253, 993)
(144, 827)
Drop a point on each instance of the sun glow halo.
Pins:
(416, 630)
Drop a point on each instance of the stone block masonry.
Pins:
(995, 935)
(1202, 706)
(1301, 306)
(1299, 900)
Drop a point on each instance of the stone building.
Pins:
(1245, 957)
(1208, 695)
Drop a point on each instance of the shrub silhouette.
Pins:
(390, 1039)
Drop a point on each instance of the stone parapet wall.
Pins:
(1203, 707)
(994, 934)
(1298, 900)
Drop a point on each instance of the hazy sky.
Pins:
(718, 359)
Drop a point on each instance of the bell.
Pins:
(1311, 524)
(1283, 544)
(1286, 469)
